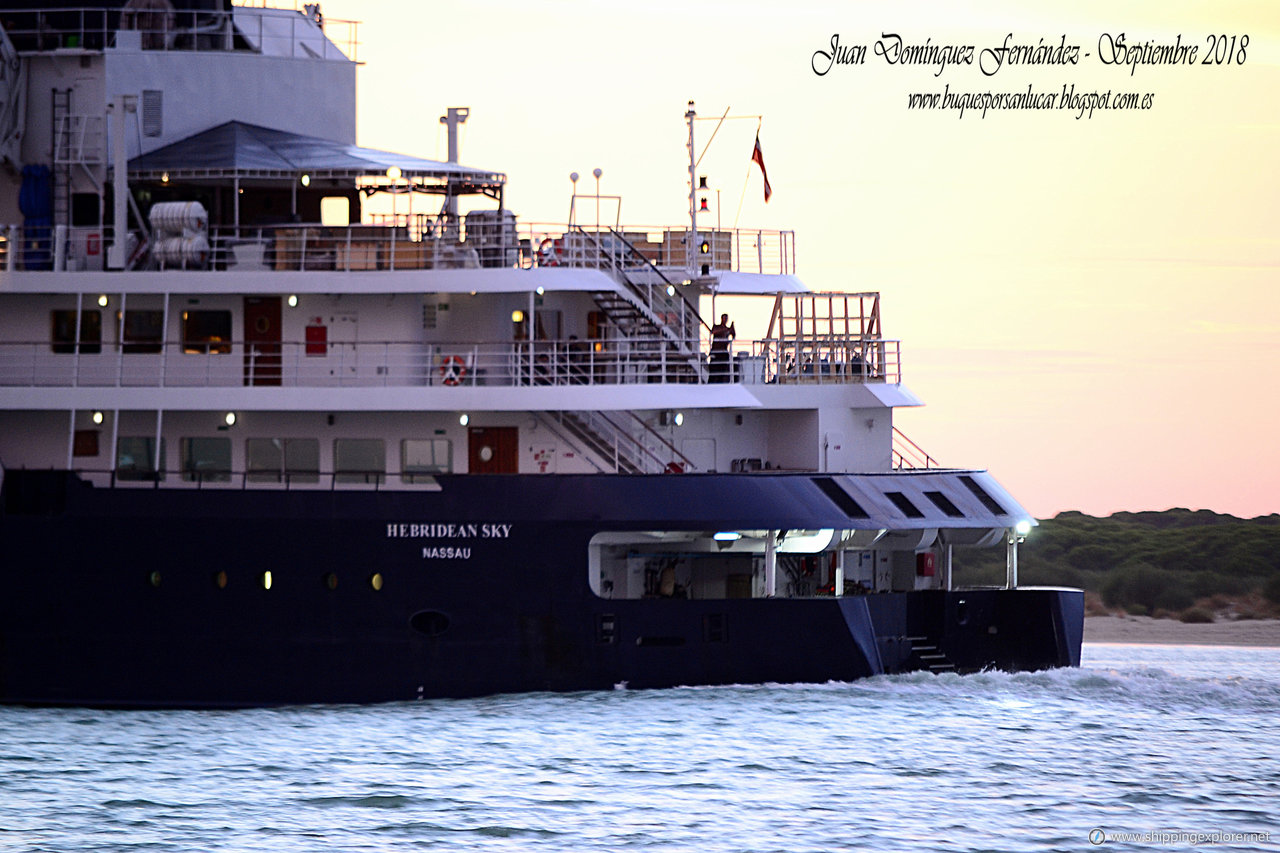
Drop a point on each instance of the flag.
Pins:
(757, 156)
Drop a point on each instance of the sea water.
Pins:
(1142, 748)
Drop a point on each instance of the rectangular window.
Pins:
(206, 332)
(903, 503)
(64, 331)
(143, 331)
(840, 497)
(136, 458)
(944, 503)
(419, 458)
(283, 460)
(981, 494)
(359, 460)
(206, 460)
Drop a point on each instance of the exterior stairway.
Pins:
(648, 314)
(928, 655)
(607, 442)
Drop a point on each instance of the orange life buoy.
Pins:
(452, 369)
(550, 251)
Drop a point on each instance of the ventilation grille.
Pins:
(152, 112)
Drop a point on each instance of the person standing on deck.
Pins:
(721, 334)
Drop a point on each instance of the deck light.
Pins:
(293, 300)
(517, 316)
(266, 580)
(394, 173)
(306, 180)
(102, 301)
(230, 418)
(1022, 528)
(727, 536)
(678, 420)
(671, 290)
(464, 419)
(97, 417)
(540, 290)
(164, 178)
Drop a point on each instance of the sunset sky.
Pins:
(1089, 307)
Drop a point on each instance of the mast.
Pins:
(689, 256)
(454, 117)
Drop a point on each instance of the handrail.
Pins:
(634, 252)
(423, 242)
(51, 27)
(684, 460)
(909, 454)
(628, 361)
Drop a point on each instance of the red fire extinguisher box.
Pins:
(925, 564)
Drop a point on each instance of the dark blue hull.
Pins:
(156, 597)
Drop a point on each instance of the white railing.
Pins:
(280, 31)
(443, 364)
(427, 242)
(735, 250)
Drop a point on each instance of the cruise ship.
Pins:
(263, 442)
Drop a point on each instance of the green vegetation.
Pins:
(1153, 563)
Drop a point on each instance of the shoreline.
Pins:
(1146, 630)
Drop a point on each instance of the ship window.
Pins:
(359, 460)
(944, 503)
(422, 457)
(64, 331)
(981, 494)
(206, 331)
(136, 456)
(375, 581)
(840, 497)
(287, 460)
(206, 460)
(143, 331)
(903, 503)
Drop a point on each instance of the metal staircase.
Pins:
(648, 312)
(609, 441)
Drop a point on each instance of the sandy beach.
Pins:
(1144, 629)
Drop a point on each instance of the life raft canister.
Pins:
(452, 369)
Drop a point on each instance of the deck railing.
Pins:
(411, 243)
(437, 363)
(279, 30)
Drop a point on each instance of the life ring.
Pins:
(452, 369)
(550, 252)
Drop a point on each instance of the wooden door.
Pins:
(262, 363)
(493, 450)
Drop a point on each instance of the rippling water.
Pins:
(1141, 739)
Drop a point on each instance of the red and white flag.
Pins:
(757, 156)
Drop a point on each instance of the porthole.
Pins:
(376, 581)
(266, 580)
(220, 580)
(433, 623)
(155, 579)
(331, 580)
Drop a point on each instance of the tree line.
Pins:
(1177, 562)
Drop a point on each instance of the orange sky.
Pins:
(1089, 307)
